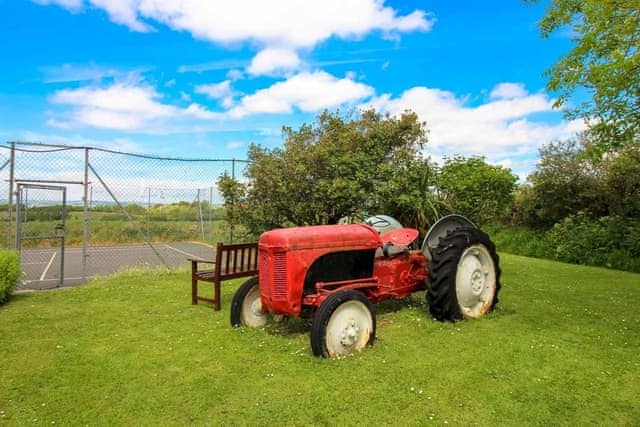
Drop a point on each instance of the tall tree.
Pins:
(476, 189)
(605, 61)
(337, 166)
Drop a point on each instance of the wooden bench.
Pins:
(232, 261)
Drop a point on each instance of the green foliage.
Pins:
(108, 224)
(43, 213)
(621, 182)
(561, 349)
(612, 242)
(606, 241)
(605, 61)
(565, 181)
(476, 189)
(334, 167)
(520, 240)
(568, 180)
(233, 193)
(9, 273)
(411, 197)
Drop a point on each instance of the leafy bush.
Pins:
(9, 273)
(568, 179)
(521, 241)
(476, 189)
(611, 242)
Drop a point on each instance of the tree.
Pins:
(564, 182)
(605, 61)
(621, 183)
(567, 181)
(337, 166)
(476, 189)
(233, 193)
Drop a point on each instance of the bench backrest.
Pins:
(236, 260)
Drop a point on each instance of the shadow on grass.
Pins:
(301, 326)
(289, 326)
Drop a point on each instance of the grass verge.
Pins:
(562, 348)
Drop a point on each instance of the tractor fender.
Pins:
(440, 229)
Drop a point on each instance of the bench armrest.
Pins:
(197, 260)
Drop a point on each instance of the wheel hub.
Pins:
(256, 307)
(252, 314)
(350, 334)
(475, 281)
(349, 328)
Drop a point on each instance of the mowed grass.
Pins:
(563, 348)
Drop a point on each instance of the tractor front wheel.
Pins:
(464, 275)
(344, 323)
(246, 307)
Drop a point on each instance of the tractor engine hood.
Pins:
(352, 236)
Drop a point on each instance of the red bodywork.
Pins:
(295, 263)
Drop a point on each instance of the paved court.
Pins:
(43, 266)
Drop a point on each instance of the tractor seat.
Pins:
(396, 242)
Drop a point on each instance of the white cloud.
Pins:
(215, 90)
(272, 59)
(72, 5)
(79, 140)
(66, 73)
(508, 91)
(235, 144)
(235, 74)
(121, 106)
(123, 12)
(498, 129)
(223, 64)
(307, 91)
(200, 112)
(290, 23)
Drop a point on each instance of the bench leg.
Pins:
(194, 289)
(216, 293)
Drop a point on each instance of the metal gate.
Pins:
(41, 212)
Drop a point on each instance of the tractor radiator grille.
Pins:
(280, 277)
(263, 268)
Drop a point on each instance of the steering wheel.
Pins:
(378, 221)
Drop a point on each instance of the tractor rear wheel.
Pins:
(246, 306)
(464, 275)
(344, 323)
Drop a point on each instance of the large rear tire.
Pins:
(344, 323)
(464, 275)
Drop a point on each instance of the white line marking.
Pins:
(66, 278)
(46, 269)
(182, 252)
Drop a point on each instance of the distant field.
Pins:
(562, 349)
(108, 228)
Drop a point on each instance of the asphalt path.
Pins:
(42, 266)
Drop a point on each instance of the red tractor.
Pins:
(335, 273)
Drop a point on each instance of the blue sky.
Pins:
(207, 78)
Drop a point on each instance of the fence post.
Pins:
(149, 212)
(12, 159)
(233, 177)
(85, 216)
(210, 214)
(200, 215)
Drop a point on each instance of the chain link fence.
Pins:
(78, 212)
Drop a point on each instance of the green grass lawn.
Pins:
(563, 347)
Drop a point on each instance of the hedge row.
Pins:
(611, 242)
(9, 273)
